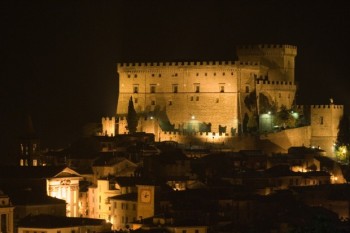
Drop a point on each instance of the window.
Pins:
(222, 88)
(135, 76)
(197, 87)
(170, 102)
(217, 100)
(246, 89)
(153, 102)
(191, 98)
(136, 88)
(136, 100)
(153, 88)
(197, 98)
(159, 75)
(279, 95)
(321, 120)
(175, 88)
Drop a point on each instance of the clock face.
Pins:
(145, 196)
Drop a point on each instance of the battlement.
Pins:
(174, 64)
(247, 63)
(207, 134)
(321, 106)
(266, 49)
(268, 82)
(267, 46)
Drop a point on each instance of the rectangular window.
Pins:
(175, 88)
(153, 102)
(136, 100)
(321, 120)
(170, 102)
(136, 88)
(196, 88)
(222, 87)
(247, 89)
(153, 88)
(191, 98)
(197, 98)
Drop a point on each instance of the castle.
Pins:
(218, 101)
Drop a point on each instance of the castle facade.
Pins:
(215, 100)
(208, 96)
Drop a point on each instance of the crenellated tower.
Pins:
(278, 59)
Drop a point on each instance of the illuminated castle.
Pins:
(215, 100)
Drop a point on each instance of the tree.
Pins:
(285, 118)
(132, 118)
(342, 145)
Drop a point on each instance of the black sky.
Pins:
(58, 58)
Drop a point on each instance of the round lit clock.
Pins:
(145, 196)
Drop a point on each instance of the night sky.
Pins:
(58, 58)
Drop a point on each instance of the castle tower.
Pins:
(279, 59)
(29, 144)
(324, 125)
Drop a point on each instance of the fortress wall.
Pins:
(290, 137)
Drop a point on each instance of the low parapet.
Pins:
(169, 64)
